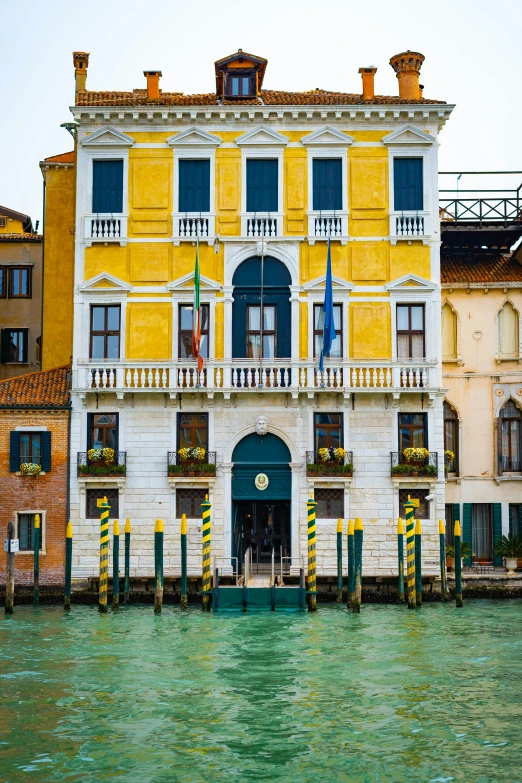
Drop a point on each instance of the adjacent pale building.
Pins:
(261, 179)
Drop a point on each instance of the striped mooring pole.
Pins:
(158, 566)
(400, 553)
(458, 566)
(68, 566)
(37, 533)
(312, 574)
(410, 554)
(339, 596)
(126, 577)
(358, 548)
(207, 577)
(442, 550)
(418, 564)
(184, 597)
(351, 563)
(115, 564)
(104, 556)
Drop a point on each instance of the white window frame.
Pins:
(43, 529)
(498, 357)
(340, 154)
(200, 152)
(85, 194)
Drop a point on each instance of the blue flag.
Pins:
(327, 314)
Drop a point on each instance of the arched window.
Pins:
(509, 429)
(451, 438)
(449, 333)
(508, 339)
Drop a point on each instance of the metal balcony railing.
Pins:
(102, 467)
(180, 465)
(320, 463)
(480, 205)
(423, 467)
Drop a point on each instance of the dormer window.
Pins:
(240, 75)
(239, 86)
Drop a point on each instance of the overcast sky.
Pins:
(472, 50)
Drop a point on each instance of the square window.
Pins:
(330, 503)
(93, 511)
(14, 347)
(192, 430)
(105, 332)
(25, 532)
(422, 511)
(31, 447)
(20, 282)
(328, 430)
(188, 501)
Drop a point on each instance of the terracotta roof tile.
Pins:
(479, 268)
(49, 389)
(268, 97)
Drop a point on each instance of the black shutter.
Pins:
(26, 345)
(14, 453)
(499, 446)
(497, 531)
(4, 348)
(46, 452)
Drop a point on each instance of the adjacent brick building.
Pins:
(34, 423)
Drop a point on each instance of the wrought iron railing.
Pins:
(481, 205)
(178, 465)
(102, 467)
(319, 463)
(425, 467)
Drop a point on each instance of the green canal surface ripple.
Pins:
(390, 695)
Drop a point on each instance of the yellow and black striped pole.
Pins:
(184, 597)
(158, 566)
(115, 564)
(410, 554)
(418, 564)
(36, 561)
(104, 555)
(358, 548)
(339, 596)
(68, 566)
(312, 574)
(351, 563)
(126, 577)
(207, 577)
(400, 548)
(442, 555)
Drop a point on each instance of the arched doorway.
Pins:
(261, 517)
(261, 313)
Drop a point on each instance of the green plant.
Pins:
(465, 549)
(404, 470)
(205, 467)
(96, 455)
(197, 453)
(509, 546)
(99, 470)
(30, 469)
(176, 470)
(428, 470)
(348, 468)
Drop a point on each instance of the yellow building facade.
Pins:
(259, 183)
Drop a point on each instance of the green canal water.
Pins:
(391, 695)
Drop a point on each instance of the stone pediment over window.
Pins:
(262, 136)
(408, 134)
(108, 137)
(410, 282)
(194, 137)
(338, 283)
(185, 284)
(104, 283)
(327, 137)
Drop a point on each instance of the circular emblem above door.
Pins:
(261, 481)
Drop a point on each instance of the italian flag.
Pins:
(196, 315)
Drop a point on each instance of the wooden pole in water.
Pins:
(351, 563)
(358, 548)
(442, 547)
(400, 552)
(126, 578)
(458, 566)
(410, 554)
(68, 566)
(158, 566)
(36, 561)
(104, 556)
(339, 597)
(418, 564)
(207, 585)
(115, 564)
(184, 597)
(9, 573)
(312, 574)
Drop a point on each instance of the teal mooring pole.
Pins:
(68, 567)
(358, 547)
(37, 532)
(126, 578)
(458, 566)
(418, 564)
(400, 553)
(442, 548)
(158, 566)
(184, 597)
(339, 597)
(351, 563)
(115, 565)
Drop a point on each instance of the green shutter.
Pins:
(466, 529)
(46, 451)
(497, 531)
(14, 453)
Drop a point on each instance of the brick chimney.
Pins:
(368, 76)
(81, 63)
(407, 66)
(153, 90)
